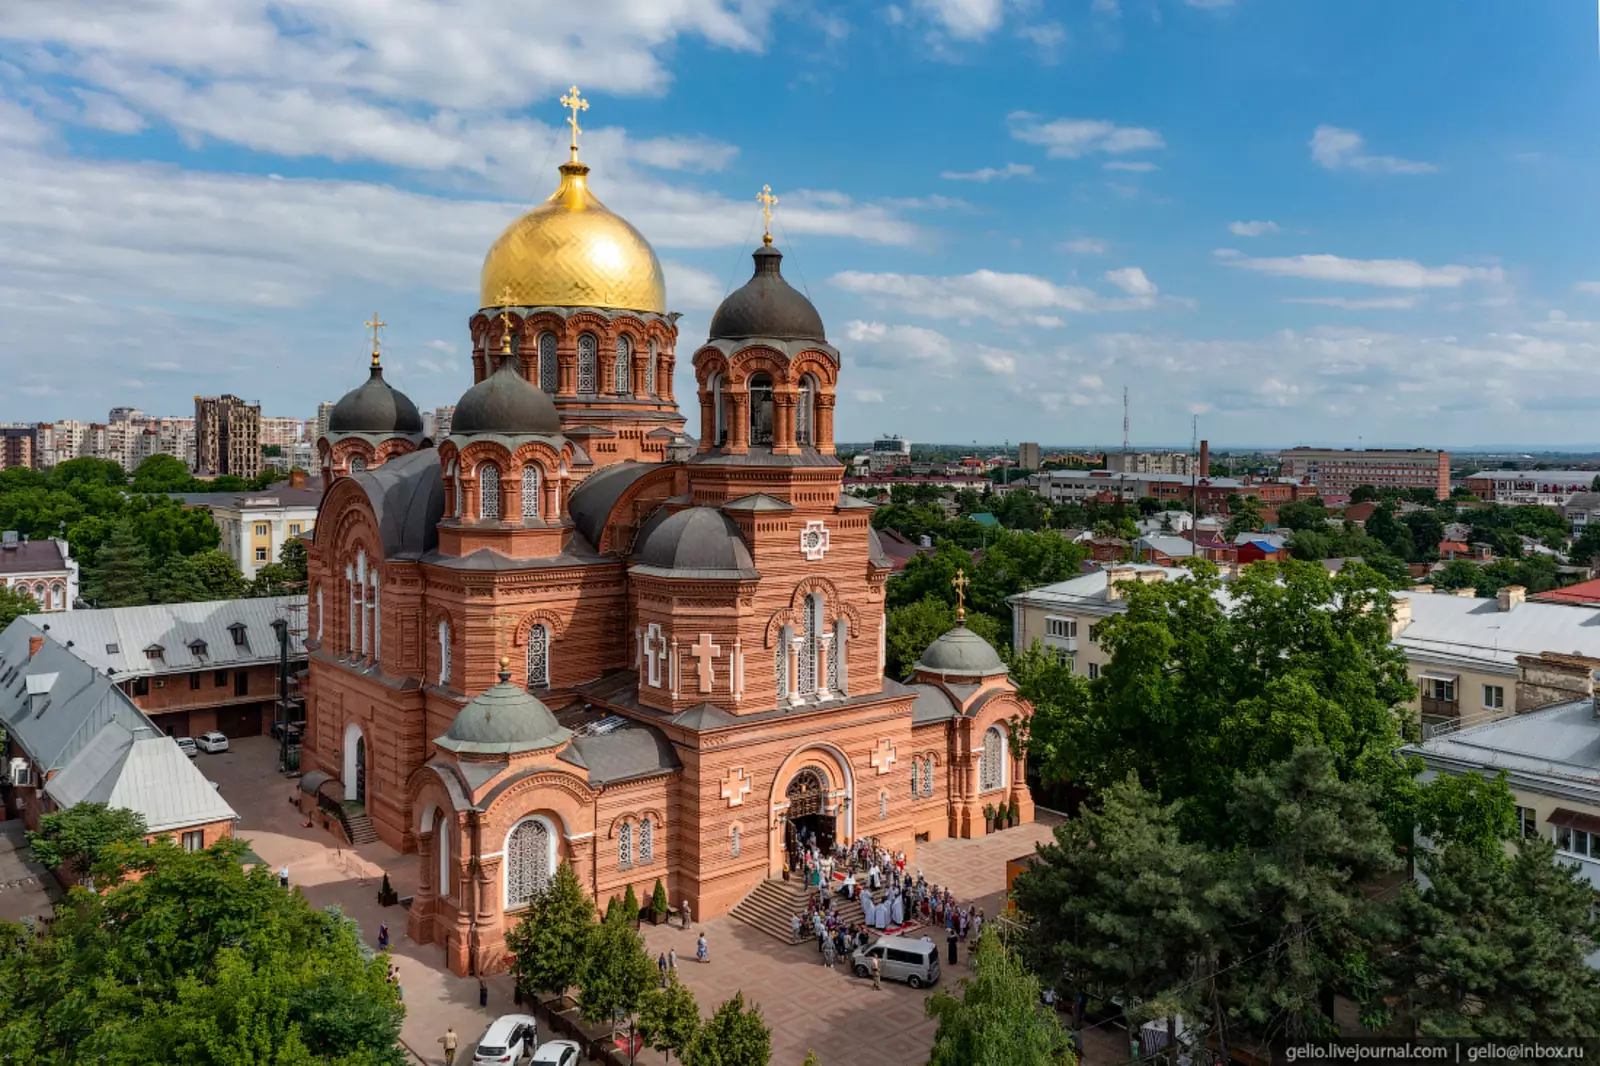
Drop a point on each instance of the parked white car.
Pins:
(187, 746)
(509, 1038)
(212, 742)
(556, 1053)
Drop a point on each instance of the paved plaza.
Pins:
(808, 1006)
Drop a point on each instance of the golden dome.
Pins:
(571, 251)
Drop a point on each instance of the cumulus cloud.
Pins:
(1385, 273)
(1378, 303)
(992, 294)
(988, 174)
(968, 20)
(1590, 287)
(1339, 149)
(1073, 138)
(1252, 229)
(1086, 246)
(1132, 281)
(1131, 167)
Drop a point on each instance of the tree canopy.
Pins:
(996, 1020)
(549, 944)
(77, 837)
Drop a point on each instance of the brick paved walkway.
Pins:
(807, 1006)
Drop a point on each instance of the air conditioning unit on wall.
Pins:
(160, 683)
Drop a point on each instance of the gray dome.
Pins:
(505, 402)
(962, 653)
(504, 720)
(375, 407)
(767, 306)
(699, 540)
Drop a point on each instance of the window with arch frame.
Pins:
(733, 842)
(647, 841)
(488, 491)
(549, 364)
(455, 480)
(588, 357)
(623, 371)
(538, 657)
(625, 844)
(991, 764)
(805, 411)
(444, 651)
(650, 369)
(527, 861)
(530, 491)
(927, 777)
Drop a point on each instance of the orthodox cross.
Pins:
(574, 103)
(734, 786)
(505, 320)
(960, 583)
(767, 202)
(706, 652)
(883, 756)
(375, 324)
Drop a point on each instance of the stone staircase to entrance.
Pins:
(772, 905)
(357, 826)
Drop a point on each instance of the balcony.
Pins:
(1433, 707)
(1066, 644)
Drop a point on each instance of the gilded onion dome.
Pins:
(572, 251)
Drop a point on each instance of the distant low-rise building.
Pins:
(44, 569)
(1152, 463)
(1343, 469)
(1548, 488)
(256, 525)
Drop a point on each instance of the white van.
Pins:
(900, 958)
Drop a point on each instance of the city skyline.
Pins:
(1353, 252)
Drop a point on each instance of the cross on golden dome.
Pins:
(375, 324)
(505, 320)
(960, 583)
(574, 103)
(767, 202)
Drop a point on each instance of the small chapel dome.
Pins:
(506, 403)
(961, 653)
(767, 306)
(375, 407)
(699, 541)
(504, 720)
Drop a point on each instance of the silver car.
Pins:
(900, 958)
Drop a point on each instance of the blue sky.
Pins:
(1303, 222)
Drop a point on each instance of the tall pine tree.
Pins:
(121, 575)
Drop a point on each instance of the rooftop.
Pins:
(119, 641)
(1556, 747)
(33, 556)
(1465, 629)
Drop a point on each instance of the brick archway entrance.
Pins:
(812, 793)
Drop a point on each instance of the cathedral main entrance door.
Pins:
(806, 822)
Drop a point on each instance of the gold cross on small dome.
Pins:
(375, 324)
(767, 202)
(505, 320)
(574, 103)
(960, 583)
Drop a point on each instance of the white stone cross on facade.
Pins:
(735, 785)
(883, 755)
(706, 652)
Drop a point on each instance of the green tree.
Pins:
(1303, 514)
(1299, 920)
(195, 960)
(1058, 696)
(163, 473)
(14, 603)
(76, 837)
(88, 471)
(176, 581)
(549, 945)
(1469, 810)
(219, 575)
(1587, 546)
(670, 1018)
(121, 570)
(1244, 515)
(913, 627)
(1363, 493)
(617, 972)
(1389, 531)
(733, 1036)
(996, 1020)
(1495, 948)
(630, 906)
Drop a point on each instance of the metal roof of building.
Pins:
(1087, 589)
(1467, 630)
(191, 636)
(53, 724)
(1555, 750)
(145, 772)
(1170, 546)
(34, 556)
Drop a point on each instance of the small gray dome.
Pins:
(767, 306)
(375, 407)
(961, 653)
(504, 720)
(505, 402)
(696, 540)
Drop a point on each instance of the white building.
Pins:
(45, 569)
(255, 526)
(1548, 488)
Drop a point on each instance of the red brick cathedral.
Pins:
(568, 632)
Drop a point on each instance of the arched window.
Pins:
(444, 842)
(319, 614)
(360, 594)
(538, 657)
(811, 625)
(444, 652)
(488, 491)
(377, 619)
(529, 848)
(927, 777)
(624, 367)
(883, 806)
(650, 370)
(838, 681)
(549, 367)
(647, 841)
(350, 583)
(719, 428)
(625, 844)
(733, 842)
(455, 479)
(805, 411)
(357, 465)
(781, 663)
(530, 491)
(760, 389)
(992, 763)
(916, 777)
(588, 350)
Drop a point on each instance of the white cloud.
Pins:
(692, 289)
(1049, 36)
(990, 294)
(1387, 273)
(1108, 8)
(1131, 167)
(1590, 287)
(1073, 138)
(1132, 281)
(1252, 229)
(1087, 246)
(988, 174)
(868, 395)
(1379, 303)
(999, 362)
(969, 20)
(1340, 149)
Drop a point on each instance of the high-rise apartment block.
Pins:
(1344, 469)
(283, 432)
(442, 417)
(17, 445)
(318, 429)
(1181, 463)
(1028, 455)
(227, 434)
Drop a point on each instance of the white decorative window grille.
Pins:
(319, 614)
(588, 352)
(650, 370)
(992, 764)
(527, 862)
(530, 491)
(377, 619)
(803, 411)
(808, 647)
(489, 491)
(834, 653)
(444, 652)
(362, 604)
(350, 583)
(647, 841)
(733, 842)
(625, 844)
(782, 665)
(455, 478)
(538, 657)
(357, 465)
(927, 777)
(916, 777)
(624, 368)
(883, 806)
(549, 377)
